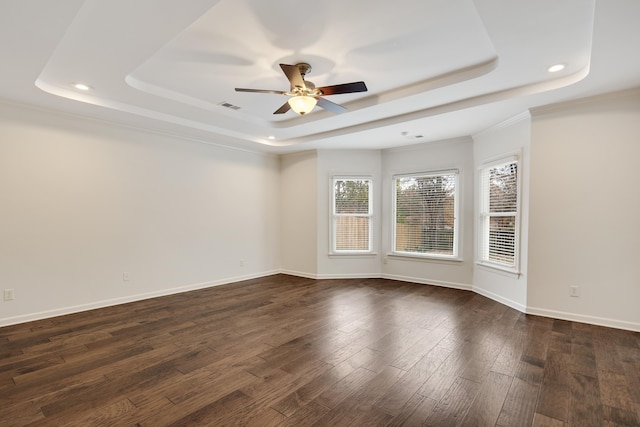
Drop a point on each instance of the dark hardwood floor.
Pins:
(289, 351)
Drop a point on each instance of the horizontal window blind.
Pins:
(352, 215)
(352, 233)
(425, 214)
(500, 214)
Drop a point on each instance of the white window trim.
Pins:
(456, 233)
(333, 252)
(496, 161)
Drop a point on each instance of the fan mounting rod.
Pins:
(304, 68)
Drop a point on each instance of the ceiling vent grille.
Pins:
(411, 136)
(227, 105)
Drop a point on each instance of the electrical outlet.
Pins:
(125, 277)
(241, 263)
(574, 291)
(8, 295)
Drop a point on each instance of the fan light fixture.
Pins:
(305, 95)
(302, 104)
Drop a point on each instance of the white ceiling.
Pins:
(435, 69)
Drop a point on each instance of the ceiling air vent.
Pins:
(411, 136)
(227, 105)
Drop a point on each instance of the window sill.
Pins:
(352, 255)
(514, 274)
(408, 257)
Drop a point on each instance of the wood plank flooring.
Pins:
(289, 351)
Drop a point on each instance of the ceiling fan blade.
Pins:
(285, 107)
(343, 88)
(293, 74)
(279, 92)
(331, 106)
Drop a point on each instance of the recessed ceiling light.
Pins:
(555, 68)
(82, 86)
(271, 137)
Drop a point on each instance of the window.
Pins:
(351, 215)
(426, 214)
(499, 215)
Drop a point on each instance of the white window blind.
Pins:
(426, 214)
(351, 215)
(499, 214)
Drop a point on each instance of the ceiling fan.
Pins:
(305, 95)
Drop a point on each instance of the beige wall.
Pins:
(512, 137)
(299, 213)
(585, 210)
(354, 163)
(441, 155)
(82, 202)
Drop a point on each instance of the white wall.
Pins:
(511, 137)
(299, 213)
(584, 226)
(450, 154)
(347, 162)
(84, 201)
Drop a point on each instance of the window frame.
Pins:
(333, 227)
(484, 217)
(428, 256)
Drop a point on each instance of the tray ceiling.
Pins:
(434, 69)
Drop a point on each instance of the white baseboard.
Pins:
(349, 276)
(593, 320)
(424, 281)
(612, 323)
(299, 274)
(419, 280)
(500, 299)
(130, 298)
(330, 276)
